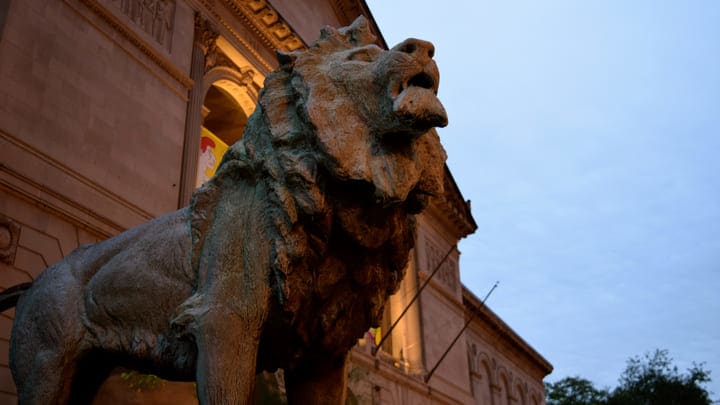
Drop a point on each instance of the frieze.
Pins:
(155, 17)
(446, 274)
(115, 23)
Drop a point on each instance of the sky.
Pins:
(587, 136)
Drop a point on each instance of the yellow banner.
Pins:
(211, 152)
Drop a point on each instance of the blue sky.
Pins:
(587, 135)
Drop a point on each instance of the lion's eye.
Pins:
(366, 54)
(361, 56)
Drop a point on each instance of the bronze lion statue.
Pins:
(282, 260)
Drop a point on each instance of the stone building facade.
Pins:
(111, 113)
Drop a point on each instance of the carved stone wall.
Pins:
(500, 378)
(154, 17)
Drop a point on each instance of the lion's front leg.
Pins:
(227, 359)
(327, 386)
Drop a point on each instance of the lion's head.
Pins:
(373, 109)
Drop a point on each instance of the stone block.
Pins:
(6, 382)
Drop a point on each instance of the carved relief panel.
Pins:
(447, 274)
(155, 17)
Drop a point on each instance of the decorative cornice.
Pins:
(135, 39)
(266, 23)
(456, 209)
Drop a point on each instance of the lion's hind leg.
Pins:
(63, 372)
(48, 339)
(47, 380)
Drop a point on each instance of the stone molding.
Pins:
(16, 153)
(134, 38)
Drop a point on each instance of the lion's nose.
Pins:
(422, 50)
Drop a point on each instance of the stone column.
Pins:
(205, 37)
(413, 331)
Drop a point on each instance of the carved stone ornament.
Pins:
(282, 260)
(217, 58)
(205, 33)
(9, 235)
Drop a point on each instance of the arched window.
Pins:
(482, 381)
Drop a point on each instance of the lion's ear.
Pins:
(286, 59)
(328, 32)
(359, 33)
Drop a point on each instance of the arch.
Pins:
(485, 396)
(472, 357)
(535, 398)
(238, 84)
(504, 383)
(521, 393)
(229, 96)
(484, 360)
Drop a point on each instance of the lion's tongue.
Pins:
(420, 105)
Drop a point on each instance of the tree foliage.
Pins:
(654, 380)
(648, 380)
(574, 391)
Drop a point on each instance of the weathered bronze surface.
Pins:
(282, 260)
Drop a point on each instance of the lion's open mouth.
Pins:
(422, 80)
(416, 102)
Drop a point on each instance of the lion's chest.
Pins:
(329, 306)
